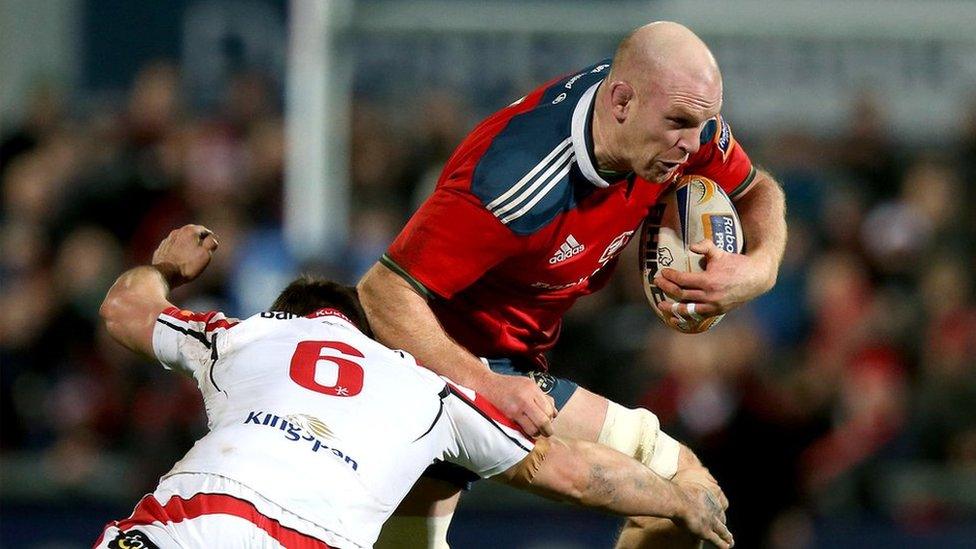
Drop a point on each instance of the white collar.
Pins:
(578, 134)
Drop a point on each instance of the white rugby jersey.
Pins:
(323, 421)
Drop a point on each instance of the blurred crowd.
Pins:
(850, 386)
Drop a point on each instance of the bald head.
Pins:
(663, 51)
(663, 86)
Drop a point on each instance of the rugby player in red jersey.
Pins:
(531, 212)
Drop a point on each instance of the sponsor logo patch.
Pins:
(301, 429)
(569, 248)
(721, 229)
(615, 247)
(724, 139)
(132, 539)
(544, 380)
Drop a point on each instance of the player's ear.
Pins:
(621, 95)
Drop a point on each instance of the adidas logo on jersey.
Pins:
(566, 250)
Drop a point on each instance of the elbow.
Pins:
(367, 292)
(366, 286)
(110, 313)
(108, 310)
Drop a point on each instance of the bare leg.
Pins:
(422, 518)
(582, 418)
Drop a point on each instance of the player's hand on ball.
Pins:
(185, 253)
(729, 280)
(522, 400)
(702, 512)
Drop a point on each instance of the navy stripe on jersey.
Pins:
(528, 174)
(708, 131)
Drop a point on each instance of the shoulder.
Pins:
(523, 176)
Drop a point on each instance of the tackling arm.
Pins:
(596, 476)
(139, 295)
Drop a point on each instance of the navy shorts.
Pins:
(560, 389)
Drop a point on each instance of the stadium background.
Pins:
(839, 410)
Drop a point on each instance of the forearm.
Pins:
(762, 212)
(132, 304)
(596, 476)
(402, 319)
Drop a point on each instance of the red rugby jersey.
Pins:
(521, 224)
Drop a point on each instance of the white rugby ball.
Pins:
(694, 209)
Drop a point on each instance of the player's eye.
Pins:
(678, 122)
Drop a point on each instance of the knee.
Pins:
(401, 532)
(637, 432)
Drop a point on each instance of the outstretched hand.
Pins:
(185, 253)
(703, 512)
(728, 281)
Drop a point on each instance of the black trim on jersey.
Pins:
(745, 183)
(444, 392)
(436, 419)
(192, 333)
(465, 400)
(416, 284)
(213, 362)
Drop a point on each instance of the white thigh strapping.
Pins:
(637, 433)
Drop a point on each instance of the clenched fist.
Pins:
(185, 253)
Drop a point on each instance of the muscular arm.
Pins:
(762, 212)
(401, 318)
(138, 296)
(596, 476)
(132, 305)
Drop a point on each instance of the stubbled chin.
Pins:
(668, 175)
(658, 176)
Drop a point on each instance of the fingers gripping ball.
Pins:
(695, 209)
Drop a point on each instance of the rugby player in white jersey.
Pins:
(317, 432)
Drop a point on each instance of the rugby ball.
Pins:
(694, 209)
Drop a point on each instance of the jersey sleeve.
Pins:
(449, 243)
(184, 341)
(722, 159)
(486, 442)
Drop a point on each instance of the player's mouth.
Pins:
(669, 167)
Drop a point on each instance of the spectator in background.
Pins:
(867, 150)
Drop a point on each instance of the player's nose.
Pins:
(690, 141)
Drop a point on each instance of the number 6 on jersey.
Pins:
(311, 366)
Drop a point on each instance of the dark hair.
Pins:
(307, 294)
